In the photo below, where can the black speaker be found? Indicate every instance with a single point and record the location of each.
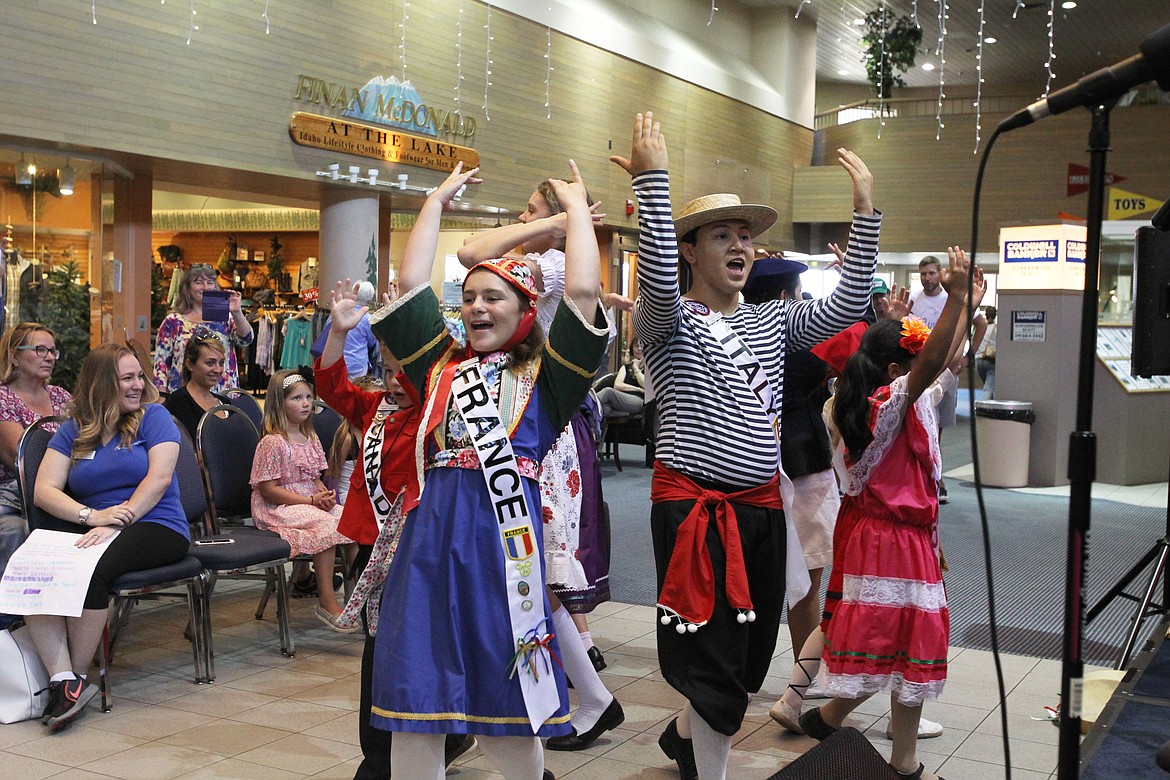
(1151, 303)
(846, 755)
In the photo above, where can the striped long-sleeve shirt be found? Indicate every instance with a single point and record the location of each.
(712, 426)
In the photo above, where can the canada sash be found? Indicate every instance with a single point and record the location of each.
(524, 578)
(372, 460)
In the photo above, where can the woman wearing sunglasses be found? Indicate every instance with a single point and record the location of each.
(27, 357)
(181, 324)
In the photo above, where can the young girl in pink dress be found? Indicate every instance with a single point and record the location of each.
(887, 625)
(288, 496)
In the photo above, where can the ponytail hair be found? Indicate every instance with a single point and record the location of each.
(866, 370)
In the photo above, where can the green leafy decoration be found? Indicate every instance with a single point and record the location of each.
(65, 309)
(900, 48)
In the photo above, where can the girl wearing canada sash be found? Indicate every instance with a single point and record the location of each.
(887, 624)
(465, 640)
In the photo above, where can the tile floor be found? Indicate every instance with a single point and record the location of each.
(267, 716)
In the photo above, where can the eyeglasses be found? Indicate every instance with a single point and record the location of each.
(42, 350)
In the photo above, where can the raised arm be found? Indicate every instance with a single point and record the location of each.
(939, 348)
(419, 257)
(582, 258)
(346, 316)
(498, 242)
(657, 313)
(811, 322)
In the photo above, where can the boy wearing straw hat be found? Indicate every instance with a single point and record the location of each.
(717, 364)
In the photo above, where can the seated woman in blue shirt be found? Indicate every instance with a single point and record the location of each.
(109, 470)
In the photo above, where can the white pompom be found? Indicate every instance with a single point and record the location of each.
(682, 629)
(692, 627)
(664, 620)
(751, 616)
(741, 618)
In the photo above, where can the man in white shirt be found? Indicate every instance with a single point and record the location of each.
(927, 305)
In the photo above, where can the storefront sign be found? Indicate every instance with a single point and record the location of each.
(1042, 257)
(1029, 326)
(1078, 179)
(384, 101)
(337, 135)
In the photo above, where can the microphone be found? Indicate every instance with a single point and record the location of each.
(1105, 84)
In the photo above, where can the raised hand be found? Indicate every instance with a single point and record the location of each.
(572, 195)
(450, 187)
(862, 180)
(648, 150)
(900, 303)
(979, 286)
(840, 261)
(345, 311)
(955, 278)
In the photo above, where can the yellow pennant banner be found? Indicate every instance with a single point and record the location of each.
(1122, 204)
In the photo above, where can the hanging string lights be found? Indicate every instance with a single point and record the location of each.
(487, 66)
(979, 79)
(267, 21)
(459, 62)
(402, 40)
(193, 28)
(882, 77)
(799, 8)
(548, 71)
(941, 52)
(1051, 50)
(714, 8)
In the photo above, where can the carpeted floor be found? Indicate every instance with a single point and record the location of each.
(1028, 536)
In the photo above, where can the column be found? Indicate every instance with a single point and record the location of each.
(348, 238)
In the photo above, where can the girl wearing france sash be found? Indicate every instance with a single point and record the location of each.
(465, 643)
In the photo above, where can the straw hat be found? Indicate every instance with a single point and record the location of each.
(724, 206)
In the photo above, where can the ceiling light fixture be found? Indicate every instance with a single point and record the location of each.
(991, 39)
(928, 66)
(843, 72)
(1068, 5)
(65, 177)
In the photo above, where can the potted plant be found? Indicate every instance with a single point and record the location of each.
(65, 309)
(275, 261)
(891, 42)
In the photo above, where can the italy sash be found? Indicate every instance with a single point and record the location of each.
(524, 580)
(751, 371)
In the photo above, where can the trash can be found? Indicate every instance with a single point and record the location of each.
(1003, 428)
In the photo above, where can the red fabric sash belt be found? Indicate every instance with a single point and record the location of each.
(689, 588)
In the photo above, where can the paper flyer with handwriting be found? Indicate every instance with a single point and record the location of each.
(49, 575)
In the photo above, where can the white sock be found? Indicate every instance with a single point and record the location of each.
(63, 676)
(517, 758)
(417, 756)
(586, 639)
(712, 750)
(592, 695)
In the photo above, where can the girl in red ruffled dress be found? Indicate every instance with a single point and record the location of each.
(887, 625)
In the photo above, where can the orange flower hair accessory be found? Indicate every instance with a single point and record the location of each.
(914, 335)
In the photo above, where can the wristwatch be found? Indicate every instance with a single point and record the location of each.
(83, 515)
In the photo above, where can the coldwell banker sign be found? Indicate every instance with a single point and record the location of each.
(386, 119)
(1042, 257)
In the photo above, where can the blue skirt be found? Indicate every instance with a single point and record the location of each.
(444, 646)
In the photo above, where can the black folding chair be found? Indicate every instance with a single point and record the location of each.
(246, 553)
(130, 587)
(227, 446)
(248, 403)
(326, 422)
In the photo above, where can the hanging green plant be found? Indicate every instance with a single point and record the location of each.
(275, 258)
(891, 43)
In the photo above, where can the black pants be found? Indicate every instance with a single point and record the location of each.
(139, 546)
(375, 742)
(716, 667)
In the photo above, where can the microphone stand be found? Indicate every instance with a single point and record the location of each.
(1082, 460)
